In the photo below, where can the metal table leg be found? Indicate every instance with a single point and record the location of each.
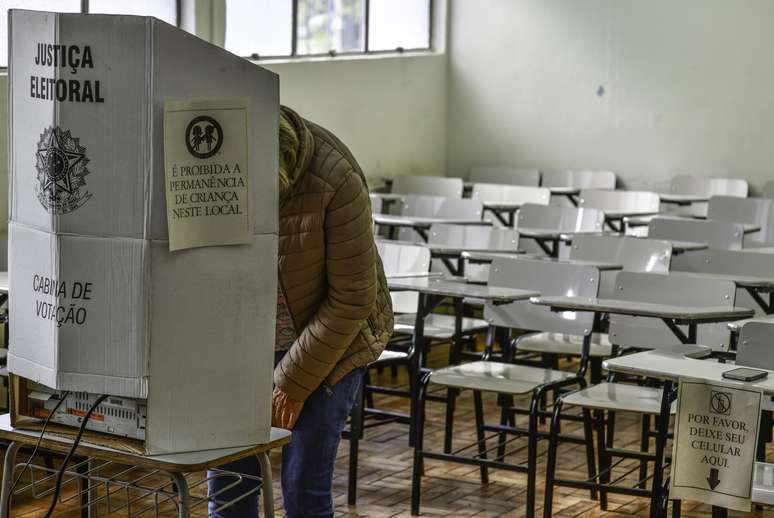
(93, 493)
(5, 490)
(184, 506)
(267, 489)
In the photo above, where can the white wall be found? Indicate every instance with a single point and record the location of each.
(390, 111)
(687, 86)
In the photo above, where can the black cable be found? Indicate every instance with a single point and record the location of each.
(35, 449)
(60, 475)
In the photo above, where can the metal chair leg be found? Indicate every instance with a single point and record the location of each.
(603, 459)
(550, 361)
(676, 505)
(610, 429)
(415, 373)
(419, 425)
(644, 447)
(506, 419)
(553, 444)
(480, 434)
(368, 395)
(532, 441)
(355, 433)
(448, 436)
(588, 433)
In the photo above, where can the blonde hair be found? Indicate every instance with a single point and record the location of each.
(288, 153)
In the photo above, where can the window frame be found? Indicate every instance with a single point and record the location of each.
(332, 53)
(178, 10)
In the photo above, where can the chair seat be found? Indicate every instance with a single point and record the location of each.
(388, 356)
(440, 327)
(618, 396)
(558, 343)
(503, 378)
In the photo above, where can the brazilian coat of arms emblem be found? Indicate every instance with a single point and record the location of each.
(61, 165)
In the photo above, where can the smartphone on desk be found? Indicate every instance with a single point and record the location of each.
(745, 374)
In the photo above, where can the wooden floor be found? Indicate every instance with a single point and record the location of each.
(449, 490)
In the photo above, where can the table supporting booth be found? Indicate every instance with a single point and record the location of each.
(134, 484)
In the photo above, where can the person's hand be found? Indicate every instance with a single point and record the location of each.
(284, 410)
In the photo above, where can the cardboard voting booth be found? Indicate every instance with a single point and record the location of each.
(143, 231)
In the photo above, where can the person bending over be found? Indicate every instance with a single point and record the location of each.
(334, 316)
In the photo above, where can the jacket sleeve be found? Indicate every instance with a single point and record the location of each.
(350, 265)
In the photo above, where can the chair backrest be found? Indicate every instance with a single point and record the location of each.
(403, 258)
(730, 262)
(473, 237)
(562, 219)
(428, 185)
(670, 289)
(579, 179)
(717, 234)
(754, 211)
(703, 186)
(492, 192)
(377, 204)
(768, 189)
(630, 202)
(505, 175)
(440, 207)
(549, 278)
(633, 253)
(436, 207)
(754, 348)
(708, 186)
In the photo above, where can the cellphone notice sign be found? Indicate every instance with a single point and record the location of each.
(205, 154)
(716, 436)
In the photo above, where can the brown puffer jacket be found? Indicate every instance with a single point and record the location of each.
(330, 271)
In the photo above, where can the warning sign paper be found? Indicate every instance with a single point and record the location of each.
(205, 157)
(716, 434)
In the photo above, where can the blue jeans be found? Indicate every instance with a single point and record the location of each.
(307, 462)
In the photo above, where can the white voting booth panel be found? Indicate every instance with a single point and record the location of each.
(101, 304)
(139, 63)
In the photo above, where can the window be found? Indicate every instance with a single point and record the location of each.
(166, 10)
(286, 28)
(163, 10)
(329, 26)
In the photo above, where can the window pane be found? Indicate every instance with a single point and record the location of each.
(399, 23)
(162, 9)
(325, 25)
(263, 27)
